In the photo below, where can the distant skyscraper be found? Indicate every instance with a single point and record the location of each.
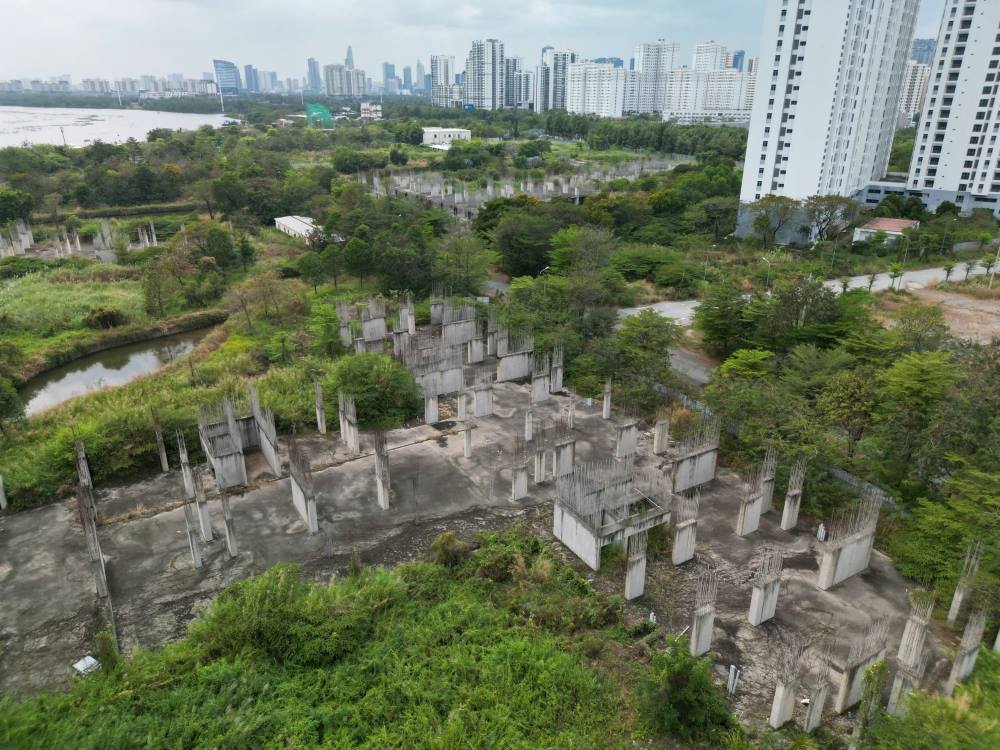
(349, 60)
(227, 77)
(388, 71)
(922, 51)
(738, 57)
(313, 78)
(408, 78)
(824, 117)
(418, 81)
(914, 87)
(616, 61)
(250, 80)
(442, 71)
(484, 75)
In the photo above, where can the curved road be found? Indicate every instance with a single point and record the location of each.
(683, 310)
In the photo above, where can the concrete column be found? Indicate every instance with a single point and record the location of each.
(684, 541)
(192, 536)
(539, 467)
(527, 425)
(411, 323)
(519, 483)
(3, 495)
(911, 646)
(463, 406)
(204, 519)
(476, 352)
(556, 379)
(571, 416)
(564, 456)
(790, 513)
(188, 477)
(849, 691)
(763, 602)
(539, 388)
(783, 704)
(162, 448)
(230, 527)
(431, 414)
(661, 437)
(320, 411)
(701, 630)
(606, 410)
(467, 442)
(626, 441)
(635, 574)
(902, 686)
(996, 643)
(749, 518)
(956, 603)
(382, 479)
(817, 703)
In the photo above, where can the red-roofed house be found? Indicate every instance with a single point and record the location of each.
(894, 228)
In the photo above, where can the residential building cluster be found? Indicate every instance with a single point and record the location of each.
(719, 84)
(829, 103)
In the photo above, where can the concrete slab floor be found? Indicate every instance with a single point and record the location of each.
(51, 611)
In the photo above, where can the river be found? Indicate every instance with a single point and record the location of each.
(84, 126)
(108, 368)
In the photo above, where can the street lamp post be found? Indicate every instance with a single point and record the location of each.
(767, 283)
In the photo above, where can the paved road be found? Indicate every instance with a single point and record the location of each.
(683, 310)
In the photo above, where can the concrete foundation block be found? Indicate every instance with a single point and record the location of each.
(519, 483)
(790, 513)
(814, 711)
(661, 437)
(431, 414)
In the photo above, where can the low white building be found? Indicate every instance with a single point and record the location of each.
(444, 136)
(893, 229)
(296, 226)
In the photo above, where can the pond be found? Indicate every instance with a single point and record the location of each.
(105, 369)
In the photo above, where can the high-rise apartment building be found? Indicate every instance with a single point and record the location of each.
(914, 87)
(314, 80)
(652, 63)
(559, 78)
(512, 68)
(340, 80)
(523, 86)
(827, 95)
(922, 51)
(349, 58)
(442, 71)
(957, 150)
(227, 77)
(484, 75)
(710, 56)
(408, 78)
(388, 71)
(739, 56)
(595, 89)
(543, 77)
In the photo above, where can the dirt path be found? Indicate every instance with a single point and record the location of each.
(967, 317)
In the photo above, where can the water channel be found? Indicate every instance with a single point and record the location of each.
(105, 369)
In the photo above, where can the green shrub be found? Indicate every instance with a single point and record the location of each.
(677, 697)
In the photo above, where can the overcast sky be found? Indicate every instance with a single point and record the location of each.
(115, 38)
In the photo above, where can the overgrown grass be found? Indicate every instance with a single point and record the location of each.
(481, 654)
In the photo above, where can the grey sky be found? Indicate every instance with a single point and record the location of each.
(114, 38)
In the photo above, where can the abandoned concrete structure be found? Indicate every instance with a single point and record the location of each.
(848, 549)
(703, 619)
(793, 495)
(911, 658)
(863, 654)
(969, 570)
(968, 650)
(766, 586)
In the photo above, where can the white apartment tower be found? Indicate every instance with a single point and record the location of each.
(710, 56)
(956, 148)
(484, 75)
(595, 89)
(442, 78)
(559, 78)
(914, 87)
(827, 95)
(652, 63)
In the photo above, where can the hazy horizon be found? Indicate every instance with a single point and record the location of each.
(106, 39)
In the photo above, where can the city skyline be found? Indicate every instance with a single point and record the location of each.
(272, 38)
